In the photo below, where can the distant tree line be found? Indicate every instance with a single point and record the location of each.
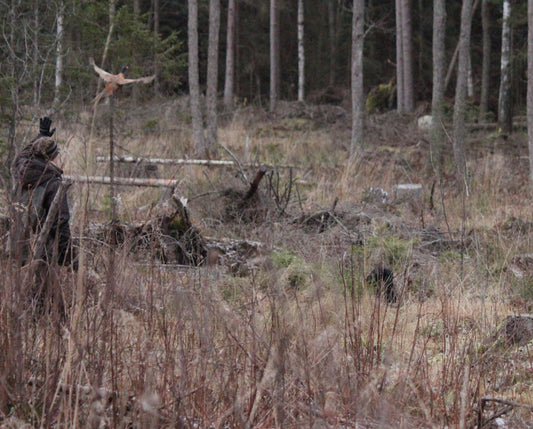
(150, 39)
(278, 49)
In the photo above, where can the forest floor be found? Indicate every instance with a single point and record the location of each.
(278, 327)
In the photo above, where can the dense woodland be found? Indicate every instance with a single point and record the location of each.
(152, 37)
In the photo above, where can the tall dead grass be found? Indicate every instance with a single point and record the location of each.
(301, 342)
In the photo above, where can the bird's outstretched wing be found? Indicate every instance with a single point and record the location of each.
(107, 77)
(124, 81)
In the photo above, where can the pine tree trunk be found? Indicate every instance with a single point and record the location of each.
(274, 54)
(504, 99)
(301, 52)
(212, 74)
(485, 67)
(437, 101)
(358, 101)
(459, 109)
(194, 80)
(230, 57)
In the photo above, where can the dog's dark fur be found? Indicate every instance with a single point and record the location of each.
(383, 280)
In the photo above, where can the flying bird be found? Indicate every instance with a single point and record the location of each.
(113, 82)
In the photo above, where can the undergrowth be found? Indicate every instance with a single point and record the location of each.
(299, 341)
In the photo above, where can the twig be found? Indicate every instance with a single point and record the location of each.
(509, 406)
(255, 183)
(237, 162)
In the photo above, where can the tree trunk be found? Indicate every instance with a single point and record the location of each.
(400, 91)
(230, 57)
(404, 61)
(453, 61)
(358, 101)
(135, 92)
(437, 102)
(194, 79)
(459, 108)
(485, 68)
(407, 59)
(156, 34)
(212, 74)
(36, 85)
(530, 87)
(274, 54)
(504, 99)
(469, 79)
(332, 28)
(301, 52)
(59, 52)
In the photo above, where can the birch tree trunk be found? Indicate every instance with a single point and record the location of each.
(230, 57)
(59, 52)
(470, 78)
(437, 100)
(504, 98)
(485, 67)
(194, 79)
(274, 54)
(459, 108)
(212, 74)
(301, 52)
(530, 87)
(358, 101)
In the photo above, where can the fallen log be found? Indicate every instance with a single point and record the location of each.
(181, 161)
(124, 181)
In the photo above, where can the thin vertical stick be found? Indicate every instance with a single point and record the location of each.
(112, 161)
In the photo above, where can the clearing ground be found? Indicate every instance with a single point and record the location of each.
(277, 326)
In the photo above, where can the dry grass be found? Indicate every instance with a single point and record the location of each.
(301, 341)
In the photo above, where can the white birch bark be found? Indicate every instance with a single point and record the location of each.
(301, 52)
(504, 98)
